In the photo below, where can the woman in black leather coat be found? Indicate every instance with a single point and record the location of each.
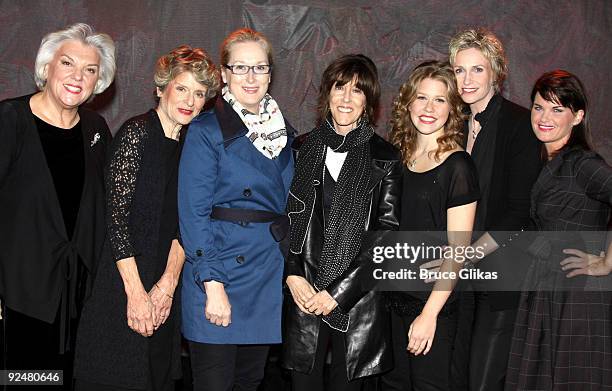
(347, 181)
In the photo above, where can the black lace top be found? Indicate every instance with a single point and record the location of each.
(122, 173)
(142, 220)
(141, 159)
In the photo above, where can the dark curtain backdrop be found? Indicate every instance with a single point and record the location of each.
(307, 35)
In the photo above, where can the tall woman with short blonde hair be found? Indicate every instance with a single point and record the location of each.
(498, 137)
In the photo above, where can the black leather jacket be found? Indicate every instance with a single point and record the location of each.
(368, 342)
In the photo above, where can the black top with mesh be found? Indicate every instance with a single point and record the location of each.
(426, 197)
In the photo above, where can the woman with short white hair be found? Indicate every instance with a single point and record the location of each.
(51, 196)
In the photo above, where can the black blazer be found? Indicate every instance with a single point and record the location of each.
(37, 258)
(514, 164)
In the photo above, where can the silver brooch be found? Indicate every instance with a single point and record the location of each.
(96, 138)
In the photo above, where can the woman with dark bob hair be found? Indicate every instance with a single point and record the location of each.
(52, 196)
(562, 338)
(347, 181)
(142, 259)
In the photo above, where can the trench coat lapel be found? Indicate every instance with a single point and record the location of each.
(234, 142)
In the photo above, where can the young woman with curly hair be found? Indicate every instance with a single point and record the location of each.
(440, 190)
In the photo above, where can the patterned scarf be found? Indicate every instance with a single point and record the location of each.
(267, 129)
(342, 237)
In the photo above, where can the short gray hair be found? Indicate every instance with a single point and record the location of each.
(85, 34)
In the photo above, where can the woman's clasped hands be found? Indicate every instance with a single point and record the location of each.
(308, 299)
(146, 312)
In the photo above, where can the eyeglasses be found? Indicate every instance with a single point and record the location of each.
(240, 69)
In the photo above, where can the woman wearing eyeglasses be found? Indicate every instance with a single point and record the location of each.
(234, 179)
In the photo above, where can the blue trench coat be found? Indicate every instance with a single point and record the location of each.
(221, 167)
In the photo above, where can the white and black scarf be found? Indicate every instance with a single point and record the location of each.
(342, 237)
(266, 129)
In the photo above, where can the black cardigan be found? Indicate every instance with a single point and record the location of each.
(37, 258)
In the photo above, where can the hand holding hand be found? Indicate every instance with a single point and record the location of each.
(140, 312)
(321, 303)
(301, 291)
(161, 296)
(421, 334)
(587, 264)
(218, 309)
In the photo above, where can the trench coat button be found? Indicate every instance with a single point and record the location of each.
(199, 253)
(240, 259)
(246, 192)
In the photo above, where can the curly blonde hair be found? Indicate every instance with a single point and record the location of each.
(404, 133)
(185, 58)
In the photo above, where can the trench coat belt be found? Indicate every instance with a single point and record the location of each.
(280, 222)
(279, 227)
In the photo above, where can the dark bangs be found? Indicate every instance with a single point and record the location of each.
(342, 71)
(564, 88)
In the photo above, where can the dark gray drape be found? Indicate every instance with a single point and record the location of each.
(307, 35)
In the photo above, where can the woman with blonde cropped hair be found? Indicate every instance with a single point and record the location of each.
(498, 137)
(129, 333)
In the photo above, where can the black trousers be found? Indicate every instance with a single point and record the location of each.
(491, 341)
(423, 372)
(329, 340)
(460, 365)
(227, 367)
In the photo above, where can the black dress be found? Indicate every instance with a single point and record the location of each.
(426, 197)
(563, 339)
(142, 178)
